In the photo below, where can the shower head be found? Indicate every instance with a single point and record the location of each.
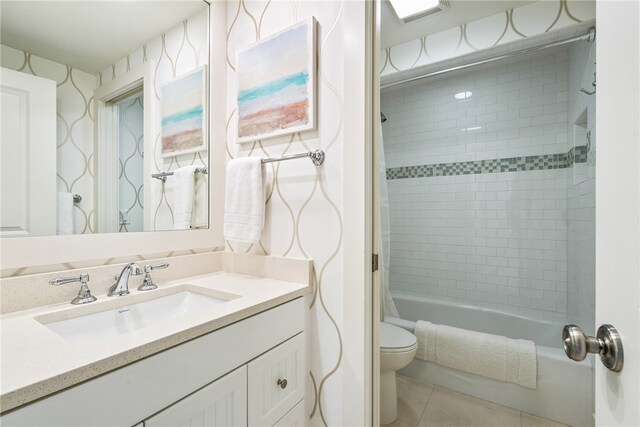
(383, 118)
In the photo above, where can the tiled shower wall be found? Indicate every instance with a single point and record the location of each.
(497, 238)
(515, 110)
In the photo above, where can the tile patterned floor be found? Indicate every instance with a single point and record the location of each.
(424, 405)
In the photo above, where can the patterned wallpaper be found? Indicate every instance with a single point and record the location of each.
(131, 156)
(304, 202)
(174, 53)
(516, 24)
(74, 138)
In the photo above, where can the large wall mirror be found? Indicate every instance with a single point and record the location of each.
(105, 127)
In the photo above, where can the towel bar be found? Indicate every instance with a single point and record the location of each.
(162, 176)
(316, 156)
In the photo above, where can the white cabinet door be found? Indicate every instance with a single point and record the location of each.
(276, 382)
(294, 418)
(28, 155)
(618, 206)
(222, 403)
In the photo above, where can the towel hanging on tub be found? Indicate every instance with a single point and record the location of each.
(244, 200)
(492, 356)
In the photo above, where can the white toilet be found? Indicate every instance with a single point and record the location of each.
(397, 349)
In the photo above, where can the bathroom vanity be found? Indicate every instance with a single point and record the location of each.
(217, 349)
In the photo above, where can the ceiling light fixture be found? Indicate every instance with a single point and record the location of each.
(409, 10)
(463, 95)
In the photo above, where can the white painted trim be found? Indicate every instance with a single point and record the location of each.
(106, 137)
(217, 117)
(150, 129)
(376, 238)
(105, 129)
(357, 164)
(22, 252)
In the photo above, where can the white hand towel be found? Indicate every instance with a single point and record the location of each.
(183, 195)
(200, 214)
(65, 213)
(244, 200)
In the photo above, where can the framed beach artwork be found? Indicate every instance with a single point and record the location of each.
(276, 84)
(183, 114)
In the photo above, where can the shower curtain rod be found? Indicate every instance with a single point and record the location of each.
(590, 36)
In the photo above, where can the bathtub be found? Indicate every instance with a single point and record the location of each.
(565, 390)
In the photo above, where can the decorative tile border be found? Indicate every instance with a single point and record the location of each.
(511, 164)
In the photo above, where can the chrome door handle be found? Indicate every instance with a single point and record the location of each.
(607, 343)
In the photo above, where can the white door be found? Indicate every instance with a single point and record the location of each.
(28, 155)
(618, 206)
(222, 403)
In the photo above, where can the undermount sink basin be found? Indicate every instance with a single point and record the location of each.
(133, 317)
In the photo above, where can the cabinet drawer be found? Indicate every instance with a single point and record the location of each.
(220, 404)
(276, 382)
(294, 418)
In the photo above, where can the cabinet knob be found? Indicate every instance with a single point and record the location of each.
(282, 383)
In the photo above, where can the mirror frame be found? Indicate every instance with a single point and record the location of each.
(20, 252)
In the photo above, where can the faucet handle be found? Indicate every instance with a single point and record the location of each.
(84, 294)
(147, 283)
(148, 268)
(83, 278)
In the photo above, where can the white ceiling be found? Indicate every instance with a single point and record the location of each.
(393, 31)
(88, 35)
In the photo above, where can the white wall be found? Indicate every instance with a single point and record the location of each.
(74, 137)
(305, 213)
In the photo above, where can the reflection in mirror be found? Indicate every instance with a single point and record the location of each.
(130, 163)
(89, 116)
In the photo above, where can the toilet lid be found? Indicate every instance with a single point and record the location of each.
(394, 337)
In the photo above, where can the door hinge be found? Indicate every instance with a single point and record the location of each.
(374, 262)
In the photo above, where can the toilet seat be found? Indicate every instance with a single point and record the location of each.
(394, 339)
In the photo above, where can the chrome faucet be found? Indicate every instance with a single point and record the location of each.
(121, 287)
(84, 295)
(147, 283)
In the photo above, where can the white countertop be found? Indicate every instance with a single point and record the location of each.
(37, 362)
